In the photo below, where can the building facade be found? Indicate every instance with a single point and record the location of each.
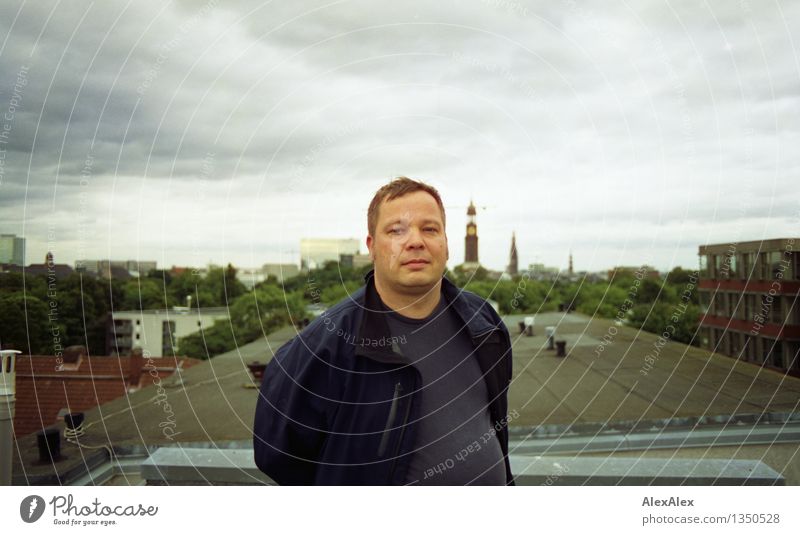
(749, 294)
(315, 252)
(110, 269)
(12, 249)
(157, 331)
(280, 271)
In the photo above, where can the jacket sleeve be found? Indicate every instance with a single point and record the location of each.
(291, 413)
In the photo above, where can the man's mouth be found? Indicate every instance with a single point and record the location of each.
(415, 262)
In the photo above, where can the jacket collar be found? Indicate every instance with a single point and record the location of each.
(374, 334)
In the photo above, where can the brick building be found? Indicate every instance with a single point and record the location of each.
(749, 291)
(48, 387)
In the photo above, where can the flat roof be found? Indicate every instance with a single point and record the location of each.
(773, 244)
(216, 403)
(172, 312)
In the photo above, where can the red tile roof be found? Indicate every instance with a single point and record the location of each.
(45, 386)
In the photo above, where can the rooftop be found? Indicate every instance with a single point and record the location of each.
(589, 394)
(47, 385)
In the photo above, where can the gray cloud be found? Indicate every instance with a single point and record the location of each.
(242, 127)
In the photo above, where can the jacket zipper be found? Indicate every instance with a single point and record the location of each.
(400, 440)
(392, 414)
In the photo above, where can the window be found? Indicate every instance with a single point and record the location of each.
(748, 348)
(705, 336)
(704, 299)
(764, 266)
(719, 306)
(719, 266)
(731, 298)
(715, 339)
(730, 259)
(747, 265)
(748, 307)
(765, 308)
(796, 265)
(704, 266)
(794, 356)
(733, 341)
(777, 353)
(794, 312)
(776, 312)
(774, 264)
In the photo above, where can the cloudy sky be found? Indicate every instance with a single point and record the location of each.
(189, 132)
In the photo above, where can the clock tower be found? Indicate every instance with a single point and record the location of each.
(471, 239)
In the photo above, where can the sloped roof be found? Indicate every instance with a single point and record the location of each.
(46, 384)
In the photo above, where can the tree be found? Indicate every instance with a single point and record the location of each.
(24, 325)
(143, 294)
(233, 286)
(252, 315)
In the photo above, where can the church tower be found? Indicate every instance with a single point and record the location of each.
(471, 239)
(513, 265)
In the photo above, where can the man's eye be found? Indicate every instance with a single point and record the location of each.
(395, 230)
(431, 229)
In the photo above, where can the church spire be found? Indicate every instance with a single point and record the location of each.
(471, 239)
(513, 265)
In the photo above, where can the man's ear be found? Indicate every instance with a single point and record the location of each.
(369, 247)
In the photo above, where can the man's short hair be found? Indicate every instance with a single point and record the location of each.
(398, 187)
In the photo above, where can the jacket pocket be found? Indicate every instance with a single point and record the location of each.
(398, 388)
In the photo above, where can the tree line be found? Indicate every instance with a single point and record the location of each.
(37, 313)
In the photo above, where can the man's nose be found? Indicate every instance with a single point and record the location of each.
(415, 240)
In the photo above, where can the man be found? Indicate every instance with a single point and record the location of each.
(403, 382)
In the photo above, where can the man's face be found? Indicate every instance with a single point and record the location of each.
(409, 247)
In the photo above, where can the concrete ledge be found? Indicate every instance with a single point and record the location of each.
(564, 471)
(202, 466)
(734, 435)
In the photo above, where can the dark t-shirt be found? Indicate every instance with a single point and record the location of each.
(456, 443)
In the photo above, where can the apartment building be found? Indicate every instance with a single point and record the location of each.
(749, 293)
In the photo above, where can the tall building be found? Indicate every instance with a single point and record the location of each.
(749, 292)
(12, 249)
(315, 252)
(471, 239)
(513, 263)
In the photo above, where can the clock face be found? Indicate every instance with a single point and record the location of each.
(471, 231)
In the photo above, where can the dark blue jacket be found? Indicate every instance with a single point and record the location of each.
(339, 406)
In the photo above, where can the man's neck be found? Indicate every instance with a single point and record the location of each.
(416, 306)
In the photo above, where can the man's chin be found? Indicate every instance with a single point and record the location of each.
(418, 279)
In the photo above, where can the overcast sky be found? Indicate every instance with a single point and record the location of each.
(190, 132)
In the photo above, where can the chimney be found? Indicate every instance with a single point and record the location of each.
(136, 365)
(8, 388)
(74, 355)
